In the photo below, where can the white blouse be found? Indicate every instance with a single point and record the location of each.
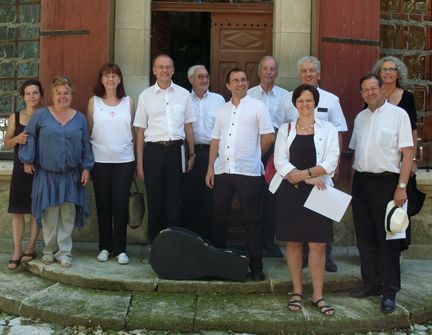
(326, 146)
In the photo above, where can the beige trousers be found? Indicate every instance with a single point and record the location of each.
(58, 223)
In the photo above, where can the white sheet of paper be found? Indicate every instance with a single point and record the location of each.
(330, 202)
(400, 235)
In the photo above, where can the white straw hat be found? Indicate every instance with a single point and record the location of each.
(396, 219)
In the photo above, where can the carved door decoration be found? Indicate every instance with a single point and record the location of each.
(406, 32)
(238, 40)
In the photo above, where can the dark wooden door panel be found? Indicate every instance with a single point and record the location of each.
(74, 42)
(348, 46)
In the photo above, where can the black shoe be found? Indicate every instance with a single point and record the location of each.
(365, 291)
(330, 266)
(257, 275)
(388, 305)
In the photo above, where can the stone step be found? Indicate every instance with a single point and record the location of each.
(205, 305)
(261, 313)
(139, 276)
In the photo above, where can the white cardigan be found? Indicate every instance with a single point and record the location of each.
(326, 146)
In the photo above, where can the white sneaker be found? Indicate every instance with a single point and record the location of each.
(103, 256)
(123, 259)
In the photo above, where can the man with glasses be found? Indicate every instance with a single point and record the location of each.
(242, 133)
(197, 198)
(328, 109)
(381, 139)
(163, 119)
(272, 96)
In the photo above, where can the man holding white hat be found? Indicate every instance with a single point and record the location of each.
(381, 141)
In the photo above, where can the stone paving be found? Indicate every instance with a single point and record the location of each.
(107, 298)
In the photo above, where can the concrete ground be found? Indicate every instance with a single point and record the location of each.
(133, 297)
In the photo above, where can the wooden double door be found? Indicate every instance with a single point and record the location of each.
(220, 36)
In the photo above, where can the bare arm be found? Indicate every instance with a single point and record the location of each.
(266, 142)
(11, 140)
(191, 145)
(214, 148)
(414, 164)
(400, 195)
(89, 115)
(140, 152)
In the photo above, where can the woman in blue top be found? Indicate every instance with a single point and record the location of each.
(59, 154)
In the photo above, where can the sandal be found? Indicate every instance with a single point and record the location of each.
(325, 309)
(48, 259)
(13, 264)
(295, 304)
(28, 257)
(65, 262)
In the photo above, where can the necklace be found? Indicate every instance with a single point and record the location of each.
(305, 128)
(388, 96)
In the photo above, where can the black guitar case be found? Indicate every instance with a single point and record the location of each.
(180, 254)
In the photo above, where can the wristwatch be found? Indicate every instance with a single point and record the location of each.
(402, 185)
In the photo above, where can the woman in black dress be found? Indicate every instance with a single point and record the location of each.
(306, 155)
(21, 183)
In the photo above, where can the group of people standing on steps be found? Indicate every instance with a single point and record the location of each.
(194, 151)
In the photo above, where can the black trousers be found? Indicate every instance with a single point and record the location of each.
(197, 198)
(111, 184)
(379, 257)
(248, 190)
(162, 173)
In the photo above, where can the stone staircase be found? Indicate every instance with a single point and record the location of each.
(133, 297)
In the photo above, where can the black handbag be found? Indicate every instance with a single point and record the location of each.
(416, 197)
(136, 206)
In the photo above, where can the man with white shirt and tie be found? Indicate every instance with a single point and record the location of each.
(197, 198)
(329, 109)
(242, 133)
(272, 96)
(163, 119)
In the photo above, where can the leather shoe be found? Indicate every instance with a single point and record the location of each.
(257, 275)
(365, 291)
(388, 305)
(330, 266)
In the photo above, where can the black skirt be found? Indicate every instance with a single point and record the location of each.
(294, 222)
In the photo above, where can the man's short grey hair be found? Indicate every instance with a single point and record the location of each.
(265, 58)
(192, 69)
(310, 59)
(400, 68)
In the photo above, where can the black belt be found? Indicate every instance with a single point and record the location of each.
(168, 143)
(202, 146)
(376, 175)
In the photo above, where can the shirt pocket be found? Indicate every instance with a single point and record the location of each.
(177, 115)
(387, 137)
(322, 113)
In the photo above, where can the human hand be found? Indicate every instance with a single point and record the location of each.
(316, 181)
(400, 196)
(209, 179)
(85, 177)
(140, 173)
(29, 168)
(295, 176)
(190, 163)
(21, 138)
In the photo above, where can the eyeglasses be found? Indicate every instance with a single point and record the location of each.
(203, 76)
(388, 69)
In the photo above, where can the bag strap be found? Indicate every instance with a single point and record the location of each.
(134, 185)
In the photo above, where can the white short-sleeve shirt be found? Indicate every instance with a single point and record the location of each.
(273, 101)
(239, 130)
(378, 137)
(163, 113)
(329, 109)
(205, 114)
